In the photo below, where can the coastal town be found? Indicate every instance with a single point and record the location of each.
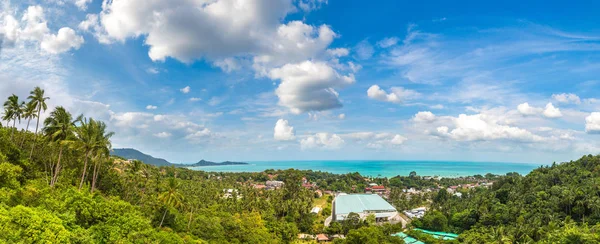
(371, 201)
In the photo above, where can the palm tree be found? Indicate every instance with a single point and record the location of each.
(102, 146)
(36, 97)
(29, 112)
(92, 138)
(171, 198)
(14, 111)
(59, 127)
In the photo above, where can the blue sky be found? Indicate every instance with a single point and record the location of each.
(313, 79)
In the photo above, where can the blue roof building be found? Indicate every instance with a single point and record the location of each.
(364, 205)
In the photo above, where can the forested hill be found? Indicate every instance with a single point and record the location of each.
(553, 204)
(129, 153)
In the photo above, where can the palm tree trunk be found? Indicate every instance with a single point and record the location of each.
(36, 130)
(25, 134)
(84, 170)
(163, 218)
(95, 175)
(12, 132)
(57, 170)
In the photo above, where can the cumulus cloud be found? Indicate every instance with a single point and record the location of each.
(424, 116)
(376, 140)
(151, 107)
(185, 90)
(566, 98)
(592, 123)
(195, 99)
(254, 29)
(309, 86)
(338, 52)
(525, 109)
(35, 29)
(551, 111)
(481, 127)
(284, 131)
(342, 116)
(65, 40)
(397, 94)
(322, 141)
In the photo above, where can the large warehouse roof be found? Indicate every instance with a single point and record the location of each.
(358, 203)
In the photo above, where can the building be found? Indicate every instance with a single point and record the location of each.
(416, 213)
(274, 184)
(364, 205)
(316, 210)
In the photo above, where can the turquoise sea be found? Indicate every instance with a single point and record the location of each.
(383, 168)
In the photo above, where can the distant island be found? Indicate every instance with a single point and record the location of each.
(209, 163)
(130, 153)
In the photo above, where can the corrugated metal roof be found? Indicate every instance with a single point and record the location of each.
(358, 203)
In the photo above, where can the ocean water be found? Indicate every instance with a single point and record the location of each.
(383, 168)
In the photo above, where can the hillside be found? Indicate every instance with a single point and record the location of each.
(552, 204)
(129, 153)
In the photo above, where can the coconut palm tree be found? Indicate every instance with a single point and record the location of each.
(86, 141)
(102, 147)
(29, 112)
(59, 128)
(36, 97)
(171, 197)
(14, 111)
(92, 138)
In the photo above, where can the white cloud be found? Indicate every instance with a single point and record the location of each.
(151, 107)
(82, 4)
(65, 40)
(283, 131)
(424, 116)
(309, 86)
(254, 30)
(36, 30)
(338, 52)
(185, 90)
(152, 71)
(310, 5)
(482, 127)
(322, 141)
(525, 109)
(375, 140)
(592, 123)
(397, 94)
(388, 42)
(364, 50)
(551, 111)
(342, 116)
(163, 134)
(195, 99)
(199, 136)
(566, 98)
(398, 139)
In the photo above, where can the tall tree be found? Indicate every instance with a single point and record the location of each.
(59, 128)
(36, 97)
(102, 147)
(171, 197)
(86, 142)
(29, 112)
(14, 111)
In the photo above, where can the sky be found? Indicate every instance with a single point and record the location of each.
(317, 79)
